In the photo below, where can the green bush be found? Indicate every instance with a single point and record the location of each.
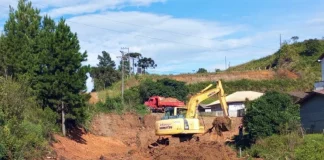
(312, 148)
(25, 128)
(270, 114)
(163, 87)
(276, 147)
(289, 146)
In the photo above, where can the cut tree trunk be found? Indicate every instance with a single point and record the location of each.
(63, 120)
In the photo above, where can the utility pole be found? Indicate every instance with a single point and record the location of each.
(128, 57)
(280, 40)
(122, 87)
(279, 51)
(225, 63)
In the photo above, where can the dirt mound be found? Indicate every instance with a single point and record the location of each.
(222, 123)
(225, 135)
(287, 74)
(131, 129)
(194, 150)
(94, 98)
(233, 75)
(169, 99)
(92, 147)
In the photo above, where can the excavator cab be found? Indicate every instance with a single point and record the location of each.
(174, 113)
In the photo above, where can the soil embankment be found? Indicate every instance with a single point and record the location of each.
(127, 137)
(234, 75)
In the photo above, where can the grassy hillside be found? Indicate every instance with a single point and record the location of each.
(298, 57)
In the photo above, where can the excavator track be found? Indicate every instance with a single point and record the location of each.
(172, 140)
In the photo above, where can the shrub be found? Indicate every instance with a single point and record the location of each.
(276, 147)
(24, 126)
(312, 148)
(268, 114)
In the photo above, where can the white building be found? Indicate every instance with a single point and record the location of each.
(235, 102)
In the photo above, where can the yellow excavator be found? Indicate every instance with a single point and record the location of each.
(183, 122)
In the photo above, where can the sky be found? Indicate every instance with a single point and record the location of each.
(184, 35)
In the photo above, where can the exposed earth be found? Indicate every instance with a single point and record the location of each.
(127, 136)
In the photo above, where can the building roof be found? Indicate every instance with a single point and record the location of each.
(311, 94)
(239, 96)
(298, 94)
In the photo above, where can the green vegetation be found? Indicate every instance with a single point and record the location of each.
(25, 127)
(299, 57)
(202, 70)
(290, 146)
(46, 56)
(163, 87)
(104, 74)
(146, 63)
(274, 132)
(271, 114)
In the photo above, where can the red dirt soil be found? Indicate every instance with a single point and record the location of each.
(128, 136)
(195, 150)
(234, 75)
(94, 98)
(170, 100)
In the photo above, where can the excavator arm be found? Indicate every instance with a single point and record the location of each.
(196, 99)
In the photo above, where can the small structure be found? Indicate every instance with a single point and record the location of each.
(235, 102)
(320, 85)
(312, 106)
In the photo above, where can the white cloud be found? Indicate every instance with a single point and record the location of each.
(89, 6)
(153, 41)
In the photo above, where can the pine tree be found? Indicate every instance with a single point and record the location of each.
(21, 31)
(46, 55)
(105, 60)
(104, 74)
(69, 76)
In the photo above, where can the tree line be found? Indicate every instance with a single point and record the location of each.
(106, 73)
(46, 55)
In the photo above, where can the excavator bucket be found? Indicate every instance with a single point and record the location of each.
(221, 124)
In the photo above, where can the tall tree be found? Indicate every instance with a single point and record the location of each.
(294, 38)
(3, 58)
(105, 60)
(104, 74)
(70, 75)
(46, 55)
(21, 31)
(134, 56)
(145, 63)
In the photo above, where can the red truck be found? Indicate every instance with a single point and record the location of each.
(158, 104)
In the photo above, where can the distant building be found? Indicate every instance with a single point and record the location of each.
(235, 102)
(312, 105)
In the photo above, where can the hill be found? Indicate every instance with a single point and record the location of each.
(299, 57)
(292, 68)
